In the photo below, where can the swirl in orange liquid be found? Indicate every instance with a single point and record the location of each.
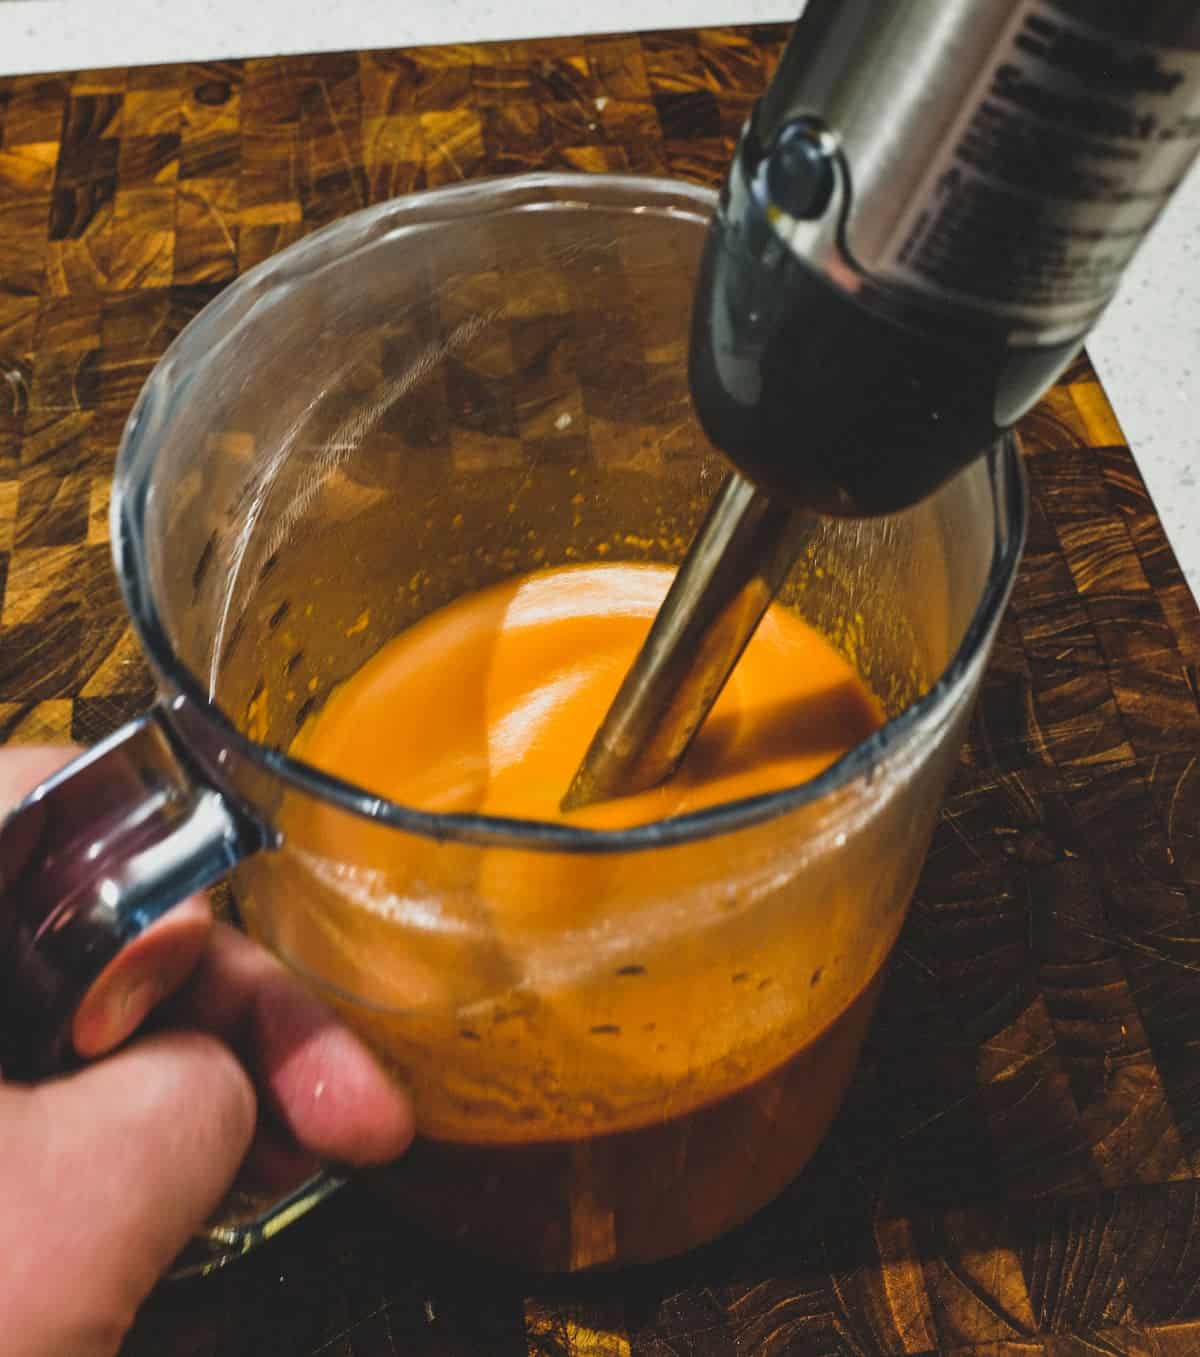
(489, 704)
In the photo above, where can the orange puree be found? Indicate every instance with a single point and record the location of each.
(613, 1056)
(489, 704)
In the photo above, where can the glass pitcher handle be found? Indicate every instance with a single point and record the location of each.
(88, 862)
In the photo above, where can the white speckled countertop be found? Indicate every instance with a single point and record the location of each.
(1147, 348)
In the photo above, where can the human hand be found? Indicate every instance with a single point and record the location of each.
(105, 1174)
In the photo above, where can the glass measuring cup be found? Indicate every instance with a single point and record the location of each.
(421, 400)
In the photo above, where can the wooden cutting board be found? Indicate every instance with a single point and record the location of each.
(1015, 1171)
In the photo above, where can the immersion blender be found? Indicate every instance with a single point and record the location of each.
(927, 212)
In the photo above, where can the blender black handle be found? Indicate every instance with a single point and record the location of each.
(88, 861)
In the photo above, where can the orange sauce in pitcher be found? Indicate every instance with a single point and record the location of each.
(487, 706)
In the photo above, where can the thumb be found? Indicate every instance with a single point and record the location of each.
(104, 1177)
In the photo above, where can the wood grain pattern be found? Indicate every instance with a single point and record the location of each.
(1016, 1172)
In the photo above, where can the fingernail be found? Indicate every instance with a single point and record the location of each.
(133, 1007)
(115, 1007)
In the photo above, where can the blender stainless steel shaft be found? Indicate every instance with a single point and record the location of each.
(927, 211)
(739, 558)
